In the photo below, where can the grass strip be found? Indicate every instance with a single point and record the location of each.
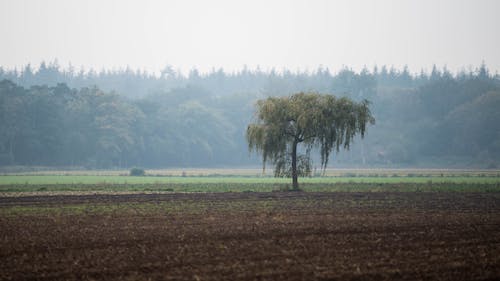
(429, 186)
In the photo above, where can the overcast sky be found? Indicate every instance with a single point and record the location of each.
(230, 34)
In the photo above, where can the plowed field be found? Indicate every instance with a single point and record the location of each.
(252, 236)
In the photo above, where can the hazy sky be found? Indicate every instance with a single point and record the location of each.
(230, 34)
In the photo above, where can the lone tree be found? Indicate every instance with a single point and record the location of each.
(314, 120)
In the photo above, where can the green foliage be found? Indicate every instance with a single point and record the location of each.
(282, 167)
(137, 172)
(323, 121)
(477, 123)
(200, 120)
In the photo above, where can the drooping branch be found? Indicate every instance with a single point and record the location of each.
(315, 120)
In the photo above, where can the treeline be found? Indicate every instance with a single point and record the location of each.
(138, 84)
(56, 117)
(67, 127)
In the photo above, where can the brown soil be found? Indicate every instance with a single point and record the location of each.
(254, 236)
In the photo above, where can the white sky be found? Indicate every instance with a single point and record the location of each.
(230, 33)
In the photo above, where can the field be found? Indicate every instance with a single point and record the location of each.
(30, 180)
(252, 236)
(432, 226)
(232, 180)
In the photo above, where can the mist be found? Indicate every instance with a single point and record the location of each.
(295, 35)
(118, 84)
(120, 119)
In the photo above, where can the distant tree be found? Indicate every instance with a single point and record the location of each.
(51, 115)
(475, 134)
(483, 72)
(405, 76)
(115, 122)
(435, 73)
(313, 119)
(137, 172)
(13, 120)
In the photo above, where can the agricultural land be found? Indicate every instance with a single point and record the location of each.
(348, 226)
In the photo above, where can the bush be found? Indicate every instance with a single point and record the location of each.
(137, 172)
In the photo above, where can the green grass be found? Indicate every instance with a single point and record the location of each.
(78, 184)
(48, 189)
(86, 180)
(11, 185)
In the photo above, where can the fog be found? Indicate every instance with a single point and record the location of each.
(295, 35)
(117, 84)
(436, 119)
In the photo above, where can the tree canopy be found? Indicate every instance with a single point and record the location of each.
(315, 120)
(55, 117)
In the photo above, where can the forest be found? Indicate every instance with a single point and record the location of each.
(60, 117)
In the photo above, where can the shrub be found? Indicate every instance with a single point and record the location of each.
(137, 172)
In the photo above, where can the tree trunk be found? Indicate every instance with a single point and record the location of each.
(363, 153)
(295, 182)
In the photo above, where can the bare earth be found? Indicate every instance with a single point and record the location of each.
(252, 236)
